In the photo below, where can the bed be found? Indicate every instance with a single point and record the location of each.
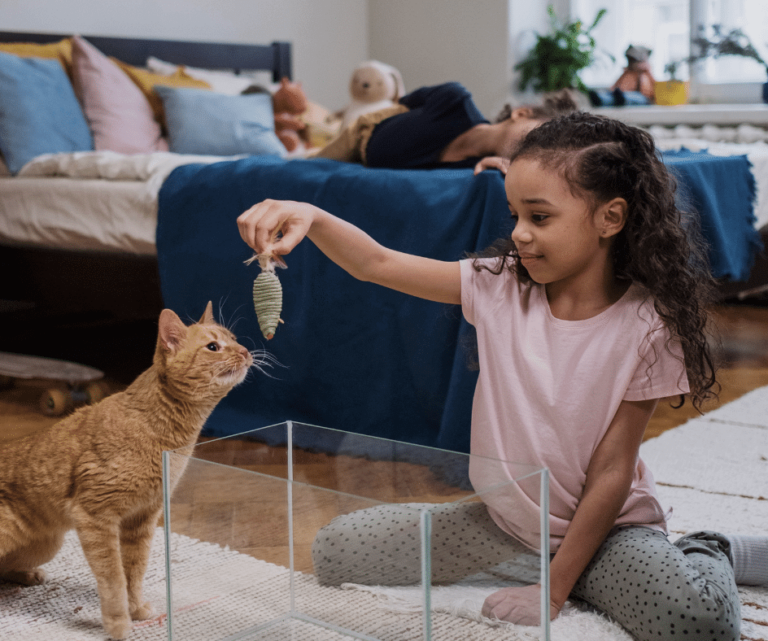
(79, 237)
(350, 355)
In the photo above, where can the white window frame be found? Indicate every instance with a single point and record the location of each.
(701, 90)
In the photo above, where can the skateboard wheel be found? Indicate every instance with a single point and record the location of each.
(54, 402)
(95, 392)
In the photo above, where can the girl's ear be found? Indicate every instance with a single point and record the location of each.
(612, 217)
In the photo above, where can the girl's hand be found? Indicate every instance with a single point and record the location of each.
(492, 162)
(275, 227)
(518, 605)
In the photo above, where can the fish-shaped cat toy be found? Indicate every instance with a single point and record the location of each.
(267, 296)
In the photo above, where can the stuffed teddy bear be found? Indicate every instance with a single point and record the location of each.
(288, 104)
(374, 85)
(637, 74)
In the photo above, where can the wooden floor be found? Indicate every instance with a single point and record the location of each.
(246, 511)
(743, 334)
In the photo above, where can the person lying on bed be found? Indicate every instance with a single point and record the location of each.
(440, 126)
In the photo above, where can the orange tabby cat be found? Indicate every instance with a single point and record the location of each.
(99, 470)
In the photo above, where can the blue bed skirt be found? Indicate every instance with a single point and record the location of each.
(355, 356)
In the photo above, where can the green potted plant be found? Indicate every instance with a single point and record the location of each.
(672, 91)
(732, 43)
(556, 59)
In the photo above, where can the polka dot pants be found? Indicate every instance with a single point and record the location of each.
(655, 589)
(662, 590)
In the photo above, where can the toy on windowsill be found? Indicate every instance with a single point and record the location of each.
(636, 86)
(267, 296)
(637, 74)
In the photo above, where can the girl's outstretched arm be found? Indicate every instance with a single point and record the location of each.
(275, 227)
(609, 479)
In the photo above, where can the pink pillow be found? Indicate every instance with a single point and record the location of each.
(118, 113)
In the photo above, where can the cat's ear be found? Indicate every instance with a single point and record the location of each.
(207, 318)
(171, 331)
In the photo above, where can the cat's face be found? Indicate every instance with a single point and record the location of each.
(203, 361)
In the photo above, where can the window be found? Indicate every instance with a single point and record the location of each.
(665, 27)
(751, 16)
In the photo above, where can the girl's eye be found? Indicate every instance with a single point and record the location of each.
(214, 347)
(539, 218)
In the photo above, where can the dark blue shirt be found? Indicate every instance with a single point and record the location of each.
(436, 116)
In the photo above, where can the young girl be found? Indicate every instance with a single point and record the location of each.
(590, 313)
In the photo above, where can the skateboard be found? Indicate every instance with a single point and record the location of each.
(82, 383)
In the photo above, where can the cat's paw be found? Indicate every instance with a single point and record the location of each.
(142, 612)
(25, 577)
(117, 627)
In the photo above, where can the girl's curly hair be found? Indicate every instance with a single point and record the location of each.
(660, 248)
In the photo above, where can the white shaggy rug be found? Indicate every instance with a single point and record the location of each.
(713, 471)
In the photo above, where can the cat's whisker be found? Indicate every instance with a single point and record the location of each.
(262, 360)
(263, 354)
(263, 357)
(222, 301)
(228, 325)
(252, 341)
(230, 367)
(235, 320)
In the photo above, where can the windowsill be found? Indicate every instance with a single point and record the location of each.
(728, 114)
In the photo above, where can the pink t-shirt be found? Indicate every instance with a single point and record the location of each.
(548, 390)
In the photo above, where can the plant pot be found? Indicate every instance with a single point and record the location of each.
(671, 92)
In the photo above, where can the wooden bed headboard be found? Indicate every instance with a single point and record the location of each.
(274, 57)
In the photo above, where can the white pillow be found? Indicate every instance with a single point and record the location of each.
(225, 82)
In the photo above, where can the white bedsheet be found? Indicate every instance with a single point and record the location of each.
(87, 200)
(108, 202)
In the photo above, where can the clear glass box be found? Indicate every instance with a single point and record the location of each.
(241, 522)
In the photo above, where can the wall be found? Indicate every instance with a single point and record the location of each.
(475, 42)
(329, 36)
(435, 41)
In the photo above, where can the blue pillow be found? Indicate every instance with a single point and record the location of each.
(39, 113)
(205, 122)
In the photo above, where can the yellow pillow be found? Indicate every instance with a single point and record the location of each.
(62, 50)
(146, 80)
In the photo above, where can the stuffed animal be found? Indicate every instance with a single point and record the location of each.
(288, 103)
(374, 85)
(637, 74)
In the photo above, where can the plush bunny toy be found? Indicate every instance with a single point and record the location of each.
(374, 85)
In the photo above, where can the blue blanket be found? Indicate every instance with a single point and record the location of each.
(355, 356)
(721, 189)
